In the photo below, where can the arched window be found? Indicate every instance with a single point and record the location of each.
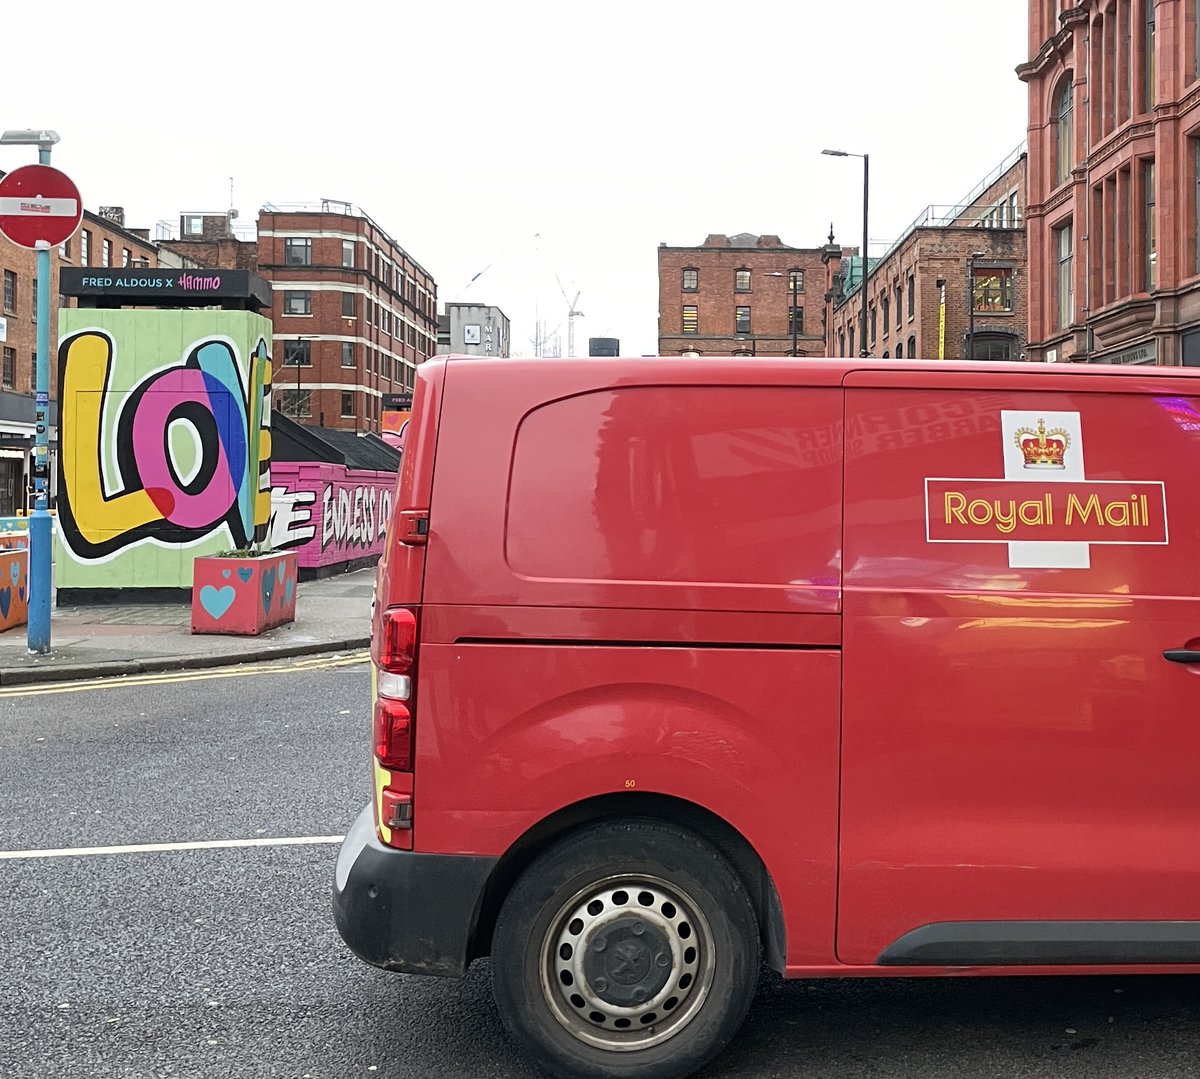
(900, 350)
(1064, 129)
(912, 348)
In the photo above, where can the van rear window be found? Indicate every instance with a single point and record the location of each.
(684, 484)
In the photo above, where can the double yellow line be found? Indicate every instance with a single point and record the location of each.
(254, 670)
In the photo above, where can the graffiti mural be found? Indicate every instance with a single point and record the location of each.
(329, 513)
(14, 583)
(165, 442)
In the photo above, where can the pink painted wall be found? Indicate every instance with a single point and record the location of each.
(329, 513)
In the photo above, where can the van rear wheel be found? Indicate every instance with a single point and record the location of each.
(628, 948)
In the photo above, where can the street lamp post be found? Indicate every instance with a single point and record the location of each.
(971, 303)
(41, 528)
(866, 160)
(791, 275)
(295, 358)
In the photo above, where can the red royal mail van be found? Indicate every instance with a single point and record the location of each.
(855, 667)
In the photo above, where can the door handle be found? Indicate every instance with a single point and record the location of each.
(1182, 655)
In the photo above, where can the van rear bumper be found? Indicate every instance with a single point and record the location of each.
(403, 910)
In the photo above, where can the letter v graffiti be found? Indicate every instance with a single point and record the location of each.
(149, 495)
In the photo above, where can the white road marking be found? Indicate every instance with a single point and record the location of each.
(147, 848)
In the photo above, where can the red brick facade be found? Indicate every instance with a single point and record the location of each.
(352, 305)
(99, 241)
(1114, 142)
(703, 290)
(932, 264)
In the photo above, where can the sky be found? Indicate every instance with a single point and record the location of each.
(524, 152)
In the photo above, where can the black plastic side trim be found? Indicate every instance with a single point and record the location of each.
(993, 944)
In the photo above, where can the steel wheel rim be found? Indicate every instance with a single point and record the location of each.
(594, 961)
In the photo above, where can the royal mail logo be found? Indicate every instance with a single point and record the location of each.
(1044, 507)
(1042, 448)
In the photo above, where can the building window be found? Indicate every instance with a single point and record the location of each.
(691, 280)
(851, 352)
(741, 320)
(295, 403)
(193, 225)
(899, 304)
(348, 304)
(912, 297)
(297, 252)
(412, 336)
(899, 350)
(1064, 106)
(689, 318)
(796, 320)
(795, 281)
(912, 347)
(1150, 95)
(347, 404)
(85, 248)
(297, 353)
(886, 304)
(64, 249)
(106, 253)
(992, 288)
(385, 365)
(348, 254)
(872, 322)
(994, 346)
(1064, 247)
(10, 368)
(126, 256)
(297, 302)
(741, 280)
(348, 354)
(33, 295)
(1150, 248)
(10, 292)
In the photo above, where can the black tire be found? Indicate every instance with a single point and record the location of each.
(628, 948)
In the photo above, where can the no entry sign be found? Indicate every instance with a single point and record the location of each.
(38, 202)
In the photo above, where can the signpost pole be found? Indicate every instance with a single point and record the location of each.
(41, 534)
(41, 531)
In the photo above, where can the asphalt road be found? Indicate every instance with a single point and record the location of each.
(222, 961)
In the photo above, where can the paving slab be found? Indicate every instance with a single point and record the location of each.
(332, 614)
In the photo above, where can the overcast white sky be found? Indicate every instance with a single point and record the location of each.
(526, 139)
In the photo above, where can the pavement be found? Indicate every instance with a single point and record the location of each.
(332, 614)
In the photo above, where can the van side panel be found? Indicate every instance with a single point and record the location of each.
(1019, 758)
(635, 586)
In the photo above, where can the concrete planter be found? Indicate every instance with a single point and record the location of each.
(243, 595)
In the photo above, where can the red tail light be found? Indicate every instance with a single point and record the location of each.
(395, 654)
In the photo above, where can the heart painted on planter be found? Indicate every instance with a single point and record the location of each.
(5, 601)
(21, 593)
(245, 572)
(14, 571)
(268, 589)
(226, 573)
(289, 590)
(216, 601)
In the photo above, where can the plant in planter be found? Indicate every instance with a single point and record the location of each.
(243, 592)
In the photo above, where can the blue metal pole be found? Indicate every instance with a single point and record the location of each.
(41, 531)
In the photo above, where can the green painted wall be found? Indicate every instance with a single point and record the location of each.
(164, 443)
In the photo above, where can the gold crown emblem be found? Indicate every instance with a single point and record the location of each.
(1042, 448)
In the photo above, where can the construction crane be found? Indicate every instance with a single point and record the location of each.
(572, 311)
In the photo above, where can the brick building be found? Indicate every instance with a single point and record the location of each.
(208, 239)
(1114, 129)
(741, 295)
(954, 285)
(354, 313)
(102, 240)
